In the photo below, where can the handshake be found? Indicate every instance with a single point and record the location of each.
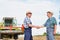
(38, 27)
(30, 25)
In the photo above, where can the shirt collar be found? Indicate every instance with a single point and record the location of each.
(28, 17)
(50, 18)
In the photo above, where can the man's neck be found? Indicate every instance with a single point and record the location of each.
(50, 17)
(27, 17)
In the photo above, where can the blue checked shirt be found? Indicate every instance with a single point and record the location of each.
(26, 22)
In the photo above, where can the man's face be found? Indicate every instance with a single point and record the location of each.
(29, 15)
(49, 15)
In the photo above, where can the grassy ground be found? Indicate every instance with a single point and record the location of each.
(42, 38)
(37, 38)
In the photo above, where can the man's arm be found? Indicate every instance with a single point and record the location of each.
(33, 26)
(55, 26)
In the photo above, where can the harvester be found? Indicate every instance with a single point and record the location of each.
(9, 28)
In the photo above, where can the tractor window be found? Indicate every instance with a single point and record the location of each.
(8, 21)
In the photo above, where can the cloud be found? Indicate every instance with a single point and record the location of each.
(18, 9)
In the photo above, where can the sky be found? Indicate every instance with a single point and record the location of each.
(18, 9)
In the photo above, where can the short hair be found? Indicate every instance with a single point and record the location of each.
(50, 12)
(28, 13)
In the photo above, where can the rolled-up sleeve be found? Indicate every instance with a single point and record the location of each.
(45, 24)
(55, 22)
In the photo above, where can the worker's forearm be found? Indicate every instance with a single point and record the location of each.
(30, 25)
(55, 28)
(42, 26)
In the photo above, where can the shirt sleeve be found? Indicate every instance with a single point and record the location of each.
(55, 22)
(45, 24)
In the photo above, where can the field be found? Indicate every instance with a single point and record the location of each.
(42, 38)
(36, 38)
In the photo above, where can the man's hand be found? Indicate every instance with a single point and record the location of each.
(33, 26)
(39, 27)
